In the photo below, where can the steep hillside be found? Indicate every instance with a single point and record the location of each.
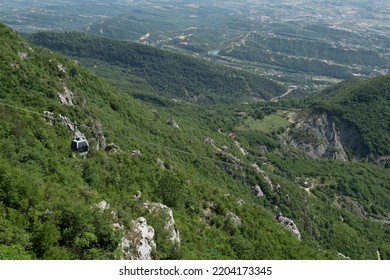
(54, 203)
(365, 104)
(176, 182)
(168, 73)
(358, 112)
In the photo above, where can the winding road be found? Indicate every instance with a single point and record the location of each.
(290, 89)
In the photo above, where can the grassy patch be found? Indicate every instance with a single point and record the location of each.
(268, 124)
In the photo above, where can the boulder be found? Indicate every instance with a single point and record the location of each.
(103, 205)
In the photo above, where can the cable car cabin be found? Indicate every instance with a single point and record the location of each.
(80, 146)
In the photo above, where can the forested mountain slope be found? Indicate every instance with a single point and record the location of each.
(204, 192)
(168, 73)
(365, 103)
(51, 200)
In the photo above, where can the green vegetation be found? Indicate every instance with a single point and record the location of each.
(169, 74)
(268, 124)
(365, 104)
(48, 195)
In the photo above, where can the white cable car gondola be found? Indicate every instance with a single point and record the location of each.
(80, 145)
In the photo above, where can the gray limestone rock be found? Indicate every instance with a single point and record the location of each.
(289, 224)
(327, 137)
(173, 123)
(170, 221)
(138, 243)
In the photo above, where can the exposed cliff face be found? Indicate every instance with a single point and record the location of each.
(322, 136)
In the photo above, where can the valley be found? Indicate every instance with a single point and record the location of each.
(302, 43)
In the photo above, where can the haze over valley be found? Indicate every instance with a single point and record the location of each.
(305, 43)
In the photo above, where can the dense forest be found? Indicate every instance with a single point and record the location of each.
(169, 73)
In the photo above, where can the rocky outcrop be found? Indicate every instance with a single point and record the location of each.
(112, 148)
(66, 97)
(258, 192)
(212, 143)
(135, 153)
(208, 139)
(52, 119)
(240, 202)
(289, 224)
(27, 46)
(321, 135)
(98, 133)
(161, 163)
(103, 205)
(22, 55)
(208, 211)
(138, 243)
(58, 66)
(173, 123)
(68, 123)
(233, 218)
(271, 184)
(170, 221)
(225, 149)
(49, 117)
(342, 256)
(242, 150)
(232, 164)
(352, 205)
(257, 168)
